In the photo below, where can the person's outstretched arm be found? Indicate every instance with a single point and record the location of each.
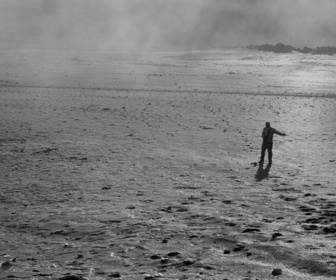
(279, 133)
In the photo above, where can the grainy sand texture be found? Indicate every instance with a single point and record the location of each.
(144, 165)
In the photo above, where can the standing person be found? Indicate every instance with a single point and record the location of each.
(267, 135)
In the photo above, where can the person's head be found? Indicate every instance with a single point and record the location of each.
(268, 124)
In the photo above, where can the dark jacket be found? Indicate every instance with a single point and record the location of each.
(268, 133)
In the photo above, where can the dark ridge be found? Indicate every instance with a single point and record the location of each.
(325, 50)
(282, 48)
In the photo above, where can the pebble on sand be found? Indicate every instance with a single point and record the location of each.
(277, 272)
(115, 275)
(6, 265)
(71, 277)
(275, 235)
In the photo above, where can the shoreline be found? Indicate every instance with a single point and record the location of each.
(161, 90)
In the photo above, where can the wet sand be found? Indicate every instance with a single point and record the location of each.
(143, 166)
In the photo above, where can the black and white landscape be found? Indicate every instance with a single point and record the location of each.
(136, 161)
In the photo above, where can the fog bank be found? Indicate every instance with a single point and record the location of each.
(129, 25)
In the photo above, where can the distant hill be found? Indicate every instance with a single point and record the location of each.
(282, 48)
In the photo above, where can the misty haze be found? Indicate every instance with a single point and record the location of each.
(116, 25)
(135, 140)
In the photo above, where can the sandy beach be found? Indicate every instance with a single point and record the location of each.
(144, 165)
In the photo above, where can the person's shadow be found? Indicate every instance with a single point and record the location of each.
(262, 173)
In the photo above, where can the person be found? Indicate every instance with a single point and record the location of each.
(267, 135)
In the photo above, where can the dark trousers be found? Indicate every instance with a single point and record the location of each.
(266, 146)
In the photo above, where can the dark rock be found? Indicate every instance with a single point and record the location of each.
(164, 260)
(182, 210)
(238, 248)
(72, 277)
(208, 267)
(304, 208)
(205, 127)
(316, 220)
(173, 254)
(230, 224)
(329, 229)
(188, 262)
(251, 230)
(168, 209)
(115, 275)
(275, 235)
(277, 272)
(310, 227)
(155, 257)
(289, 241)
(226, 252)
(6, 265)
(204, 266)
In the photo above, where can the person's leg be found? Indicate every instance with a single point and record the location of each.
(270, 153)
(263, 150)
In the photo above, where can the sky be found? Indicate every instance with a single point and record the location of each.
(164, 25)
